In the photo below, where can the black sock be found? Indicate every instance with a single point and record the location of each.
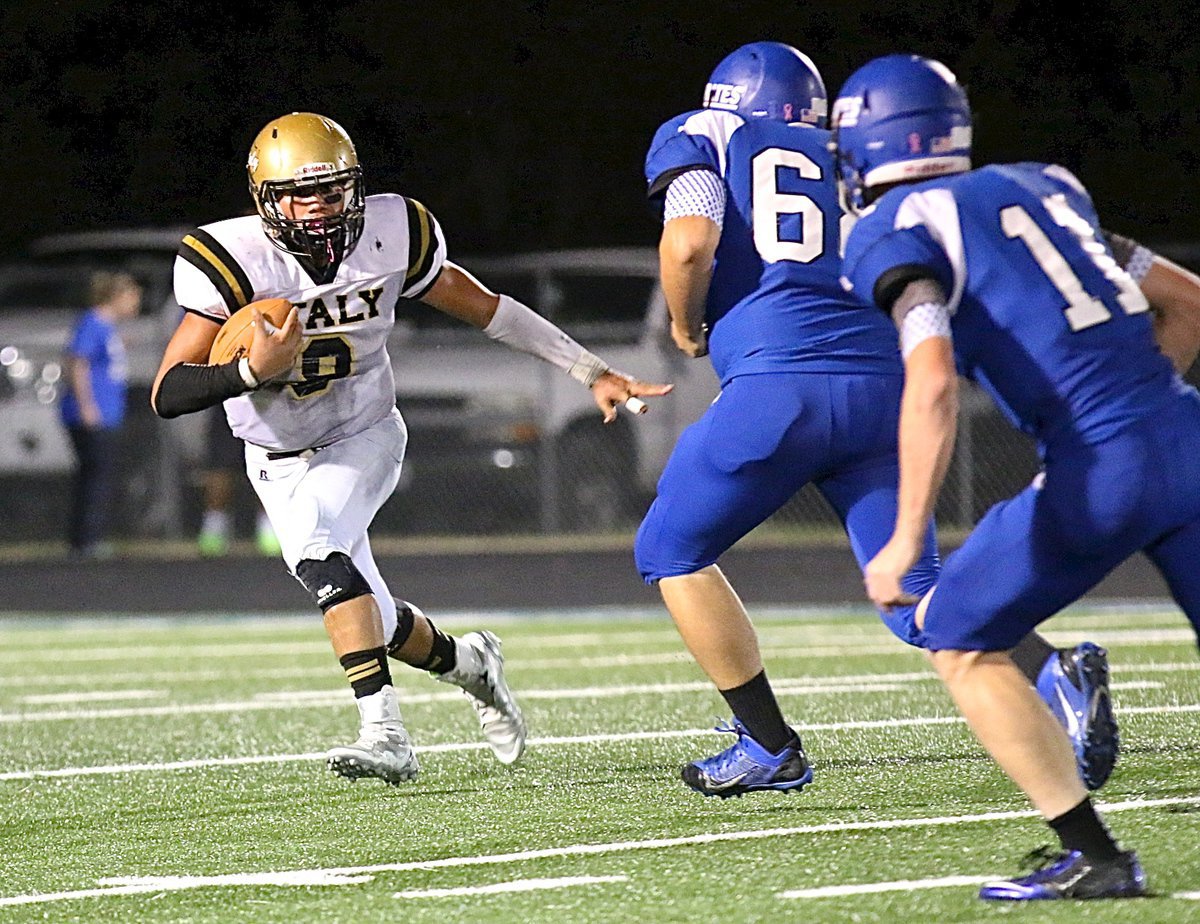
(443, 653)
(1081, 829)
(1030, 655)
(366, 670)
(755, 706)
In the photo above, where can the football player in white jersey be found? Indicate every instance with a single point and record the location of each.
(315, 403)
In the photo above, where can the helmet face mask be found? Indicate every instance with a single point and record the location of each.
(307, 187)
(768, 80)
(898, 119)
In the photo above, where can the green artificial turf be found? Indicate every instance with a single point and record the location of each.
(92, 710)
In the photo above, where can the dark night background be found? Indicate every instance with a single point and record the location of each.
(523, 125)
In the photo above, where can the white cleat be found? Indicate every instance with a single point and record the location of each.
(499, 715)
(381, 751)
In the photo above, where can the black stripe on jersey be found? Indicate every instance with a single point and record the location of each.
(422, 242)
(429, 285)
(205, 315)
(206, 253)
(663, 180)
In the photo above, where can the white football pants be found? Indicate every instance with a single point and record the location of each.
(323, 502)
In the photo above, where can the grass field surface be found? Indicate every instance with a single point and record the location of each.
(171, 770)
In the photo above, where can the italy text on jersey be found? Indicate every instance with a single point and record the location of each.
(343, 382)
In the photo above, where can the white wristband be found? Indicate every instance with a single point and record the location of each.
(247, 374)
(928, 319)
(522, 328)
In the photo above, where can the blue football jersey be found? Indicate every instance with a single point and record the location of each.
(1043, 318)
(775, 302)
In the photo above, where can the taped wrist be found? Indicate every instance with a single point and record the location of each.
(189, 387)
(522, 328)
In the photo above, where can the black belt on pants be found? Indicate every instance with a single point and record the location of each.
(291, 453)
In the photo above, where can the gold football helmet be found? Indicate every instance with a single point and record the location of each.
(304, 155)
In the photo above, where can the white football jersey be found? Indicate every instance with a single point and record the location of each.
(343, 382)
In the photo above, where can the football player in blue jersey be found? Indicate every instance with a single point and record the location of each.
(1003, 273)
(810, 392)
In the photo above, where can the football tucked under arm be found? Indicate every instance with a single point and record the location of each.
(237, 334)
(188, 387)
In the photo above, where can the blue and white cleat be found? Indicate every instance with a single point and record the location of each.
(1072, 875)
(1074, 685)
(746, 766)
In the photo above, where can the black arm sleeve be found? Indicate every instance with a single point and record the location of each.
(889, 286)
(189, 387)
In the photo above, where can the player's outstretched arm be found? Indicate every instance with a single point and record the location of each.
(459, 294)
(685, 260)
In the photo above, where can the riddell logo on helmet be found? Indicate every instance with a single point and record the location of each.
(929, 168)
(723, 96)
(307, 170)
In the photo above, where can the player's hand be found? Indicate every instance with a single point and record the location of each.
(690, 343)
(274, 350)
(884, 572)
(613, 388)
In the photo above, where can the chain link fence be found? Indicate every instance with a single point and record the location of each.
(500, 443)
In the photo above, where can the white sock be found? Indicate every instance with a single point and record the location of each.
(380, 708)
(215, 522)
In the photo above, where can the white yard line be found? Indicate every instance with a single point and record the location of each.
(83, 696)
(875, 641)
(169, 648)
(517, 885)
(326, 697)
(313, 699)
(199, 675)
(548, 741)
(900, 885)
(125, 885)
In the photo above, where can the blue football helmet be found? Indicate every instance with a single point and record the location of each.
(769, 80)
(899, 118)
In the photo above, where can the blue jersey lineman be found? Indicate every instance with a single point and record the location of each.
(1003, 273)
(810, 380)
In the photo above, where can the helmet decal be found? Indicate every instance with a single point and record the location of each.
(899, 118)
(768, 80)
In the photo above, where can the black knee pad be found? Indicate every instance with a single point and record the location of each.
(332, 581)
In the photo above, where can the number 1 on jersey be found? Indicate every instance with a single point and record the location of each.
(1083, 309)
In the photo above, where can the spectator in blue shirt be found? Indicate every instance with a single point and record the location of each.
(93, 406)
